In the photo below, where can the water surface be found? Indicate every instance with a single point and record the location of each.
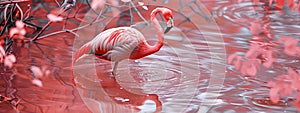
(176, 78)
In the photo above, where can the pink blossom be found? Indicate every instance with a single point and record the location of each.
(290, 45)
(250, 67)
(231, 57)
(257, 51)
(54, 18)
(37, 82)
(278, 88)
(268, 55)
(100, 3)
(285, 89)
(256, 55)
(256, 28)
(9, 60)
(285, 85)
(2, 53)
(18, 30)
(254, 51)
(237, 62)
(294, 78)
(97, 3)
(143, 5)
(38, 72)
(273, 92)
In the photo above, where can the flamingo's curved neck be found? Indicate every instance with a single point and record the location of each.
(159, 32)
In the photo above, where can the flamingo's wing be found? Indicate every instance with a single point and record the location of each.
(121, 51)
(125, 44)
(117, 43)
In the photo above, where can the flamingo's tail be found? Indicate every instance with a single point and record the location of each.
(85, 49)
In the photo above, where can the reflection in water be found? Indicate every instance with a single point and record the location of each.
(102, 89)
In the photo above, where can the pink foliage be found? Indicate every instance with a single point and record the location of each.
(39, 73)
(54, 18)
(8, 60)
(236, 60)
(256, 28)
(269, 59)
(273, 93)
(279, 4)
(262, 53)
(285, 85)
(97, 3)
(143, 5)
(19, 30)
(37, 82)
(246, 67)
(290, 45)
(256, 55)
(250, 67)
(36, 71)
(254, 51)
(2, 54)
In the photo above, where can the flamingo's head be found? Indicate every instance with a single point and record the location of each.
(168, 16)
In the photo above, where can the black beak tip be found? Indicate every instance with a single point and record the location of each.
(168, 29)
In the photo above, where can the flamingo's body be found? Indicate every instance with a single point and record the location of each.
(121, 43)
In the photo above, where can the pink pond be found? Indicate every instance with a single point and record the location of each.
(189, 74)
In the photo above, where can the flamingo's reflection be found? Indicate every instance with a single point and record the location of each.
(103, 93)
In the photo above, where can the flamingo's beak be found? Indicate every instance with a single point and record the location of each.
(170, 24)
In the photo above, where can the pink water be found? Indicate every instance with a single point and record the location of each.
(176, 78)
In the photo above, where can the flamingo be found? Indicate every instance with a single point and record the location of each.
(117, 44)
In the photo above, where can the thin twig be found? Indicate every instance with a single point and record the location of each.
(47, 25)
(39, 33)
(7, 21)
(8, 44)
(5, 12)
(12, 2)
(21, 12)
(138, 12)
(72, 30)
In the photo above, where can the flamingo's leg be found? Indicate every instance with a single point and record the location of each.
(114, 72)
